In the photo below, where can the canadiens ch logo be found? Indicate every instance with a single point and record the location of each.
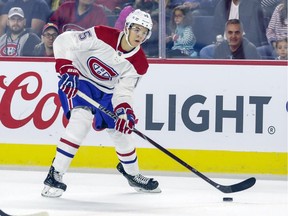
(100, 70)
(9, 50)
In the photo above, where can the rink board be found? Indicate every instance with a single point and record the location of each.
(152, 159)
(218, 117)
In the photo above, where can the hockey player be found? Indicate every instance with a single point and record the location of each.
(106, 65)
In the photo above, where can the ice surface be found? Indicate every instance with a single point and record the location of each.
(108, 193)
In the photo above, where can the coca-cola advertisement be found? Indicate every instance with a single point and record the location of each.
(30, 110)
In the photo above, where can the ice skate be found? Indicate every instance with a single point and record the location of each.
(139, 182)
(53, 185)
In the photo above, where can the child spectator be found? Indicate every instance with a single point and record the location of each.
(281, 49)
(49, 33)
(78, 15)
(182, 36)
(18, 41)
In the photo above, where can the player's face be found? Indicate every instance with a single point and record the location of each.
(16, 24)
(137, 35)
(49, 36)
(234, 34)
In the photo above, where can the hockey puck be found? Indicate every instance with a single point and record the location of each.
(227, 199)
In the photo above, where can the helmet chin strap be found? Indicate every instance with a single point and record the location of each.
(127, 39)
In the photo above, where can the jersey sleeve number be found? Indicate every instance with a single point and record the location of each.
(84, 35)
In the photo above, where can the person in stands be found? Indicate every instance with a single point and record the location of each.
(18, 41)
(281, 49)
(36, 13)
(78, 15)
(235, 46)
(49, 33)
(182, 37)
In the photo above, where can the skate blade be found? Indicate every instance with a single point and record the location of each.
(51, 192)
(156, 190)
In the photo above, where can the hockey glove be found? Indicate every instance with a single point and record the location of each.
(69, 81)
(126, 118)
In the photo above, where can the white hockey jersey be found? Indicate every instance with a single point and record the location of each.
(97, 54)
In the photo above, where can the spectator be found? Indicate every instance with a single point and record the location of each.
(236, 46)
(147, 6)
(281, 49)
(36, 13)
(182, 36)
(18, 41)
(276, 30)
(249, 12)
(78, 15)
(278, 25)
(45, 48)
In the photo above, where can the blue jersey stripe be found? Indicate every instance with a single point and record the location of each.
(65, 153)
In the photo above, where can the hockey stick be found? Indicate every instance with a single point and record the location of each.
(34, 214)
(223, 188)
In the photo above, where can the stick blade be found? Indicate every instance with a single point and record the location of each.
(248, 183)
(33, 214)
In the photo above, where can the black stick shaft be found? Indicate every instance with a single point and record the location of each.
(170, 154)
(225, 189)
